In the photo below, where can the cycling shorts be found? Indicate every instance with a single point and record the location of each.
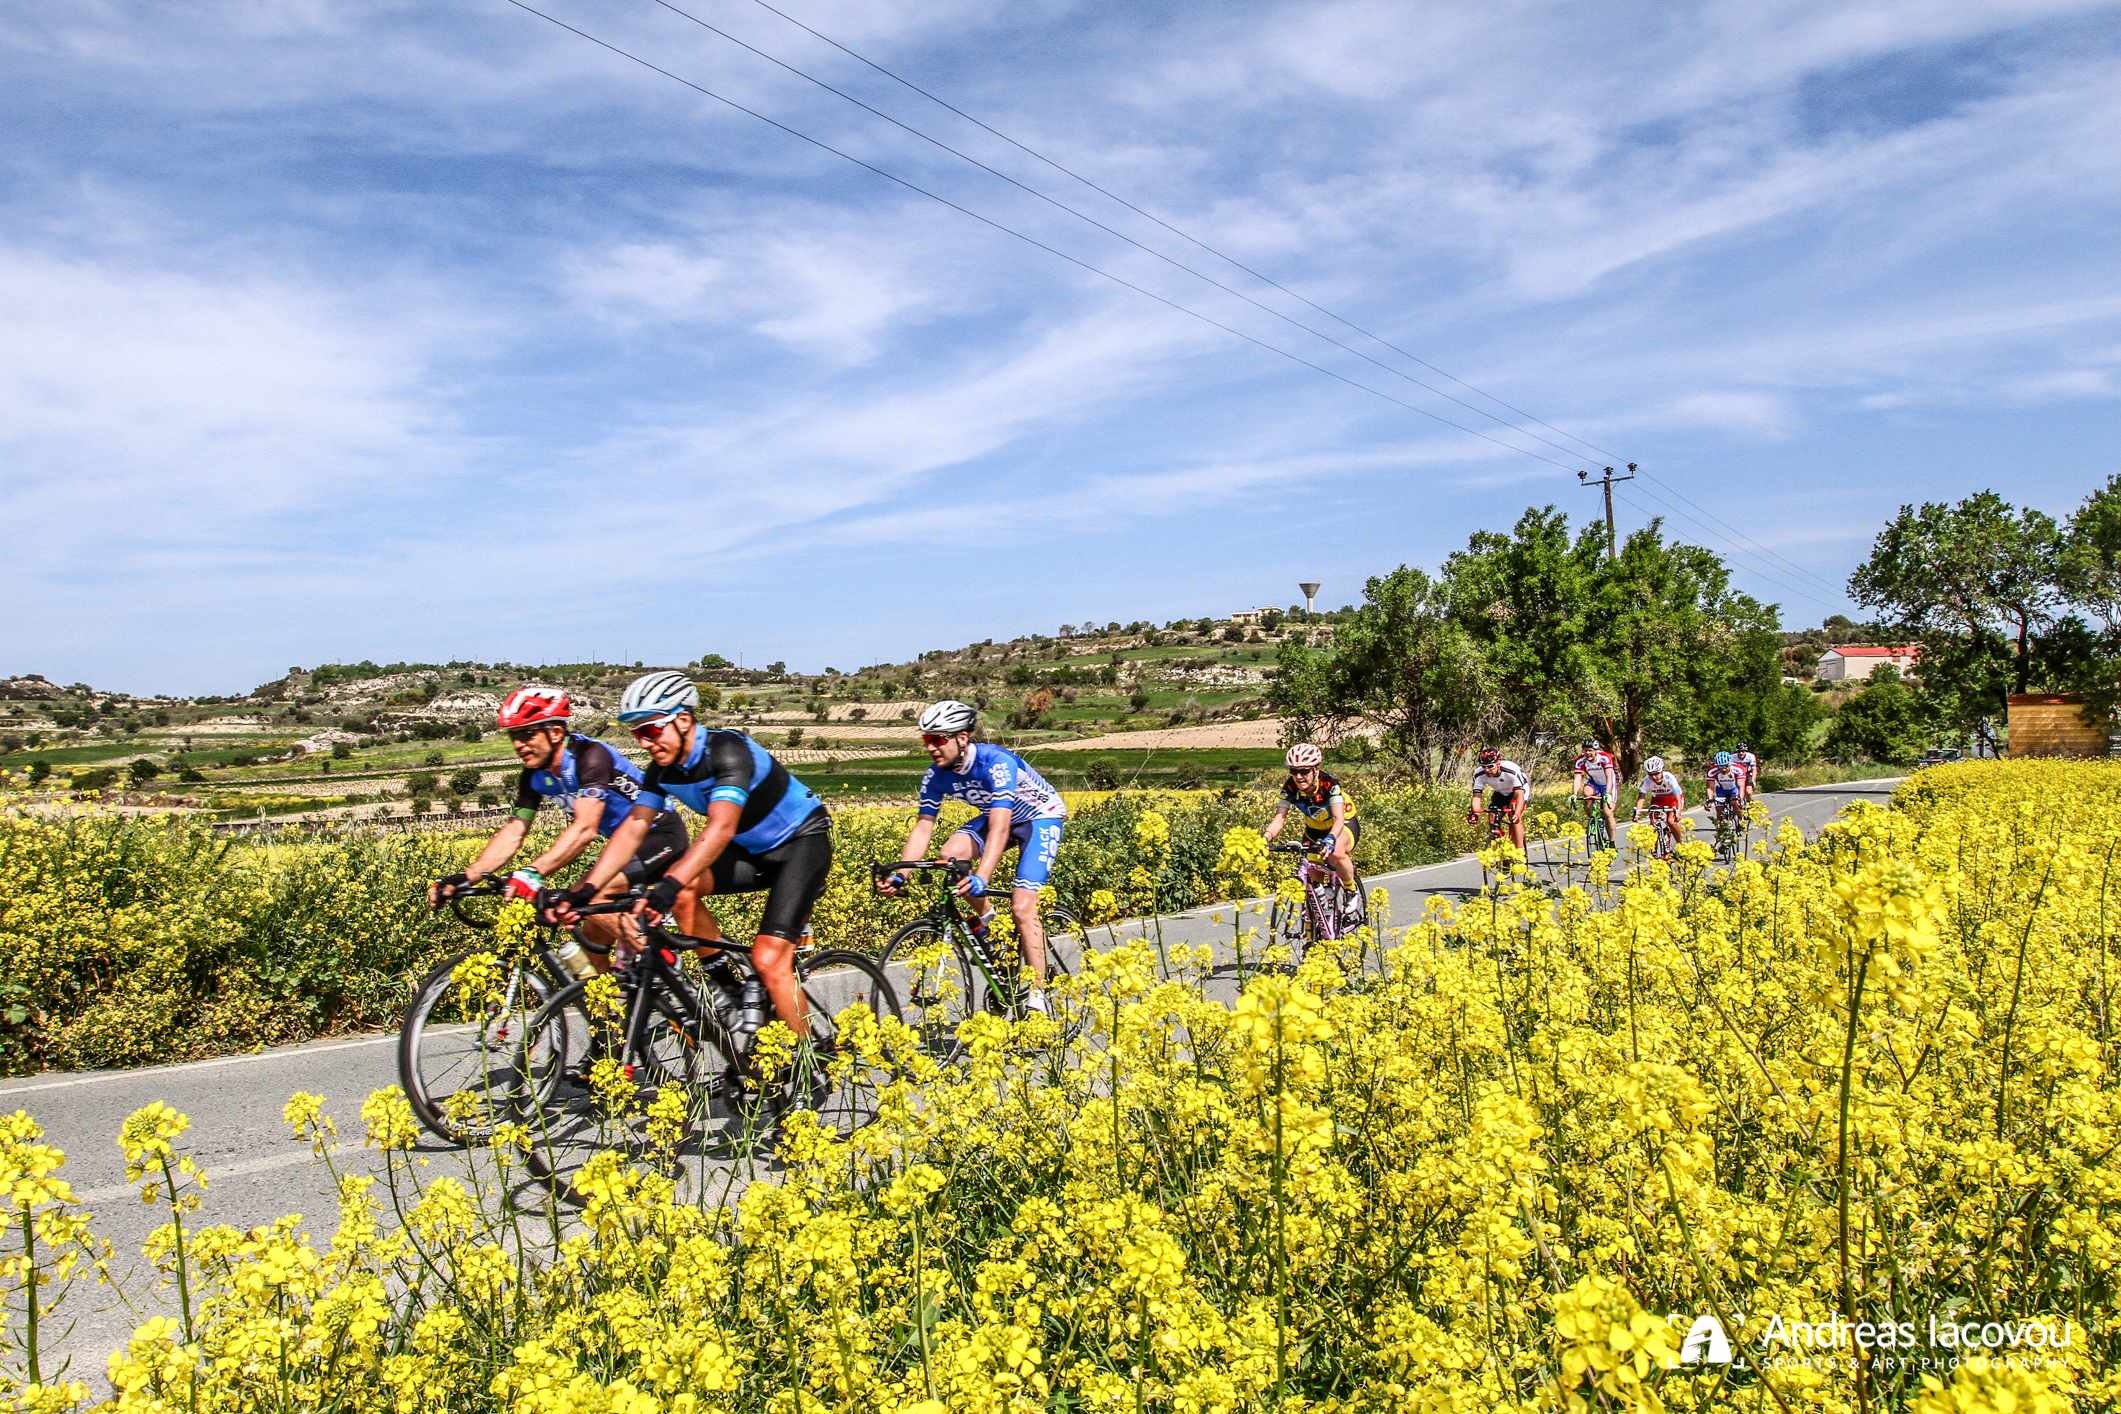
(792, 873)
(1502, 800)
(1597, 785)
(1666, 802)
(1353, 827)
(1037, 843)
(1729, 796)
(660, 848)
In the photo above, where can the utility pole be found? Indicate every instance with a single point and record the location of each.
(1606, 481)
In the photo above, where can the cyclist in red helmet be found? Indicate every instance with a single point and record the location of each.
(1509, 789)
(598, 786)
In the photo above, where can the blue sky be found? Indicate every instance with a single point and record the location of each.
(411, 331)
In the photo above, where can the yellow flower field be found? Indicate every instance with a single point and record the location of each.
(1837, 1132)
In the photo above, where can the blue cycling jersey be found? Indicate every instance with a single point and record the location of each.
(729, 766)
(994, 779)
(587, 770)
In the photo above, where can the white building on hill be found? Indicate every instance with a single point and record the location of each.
(1853, 660)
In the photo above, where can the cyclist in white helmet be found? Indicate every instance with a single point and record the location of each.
(765, 830)
(1016, 805)
(1316, 798)
(1662, 789)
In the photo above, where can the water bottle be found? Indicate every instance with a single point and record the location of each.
(724, 987)
(750, 1012)
(576, 961)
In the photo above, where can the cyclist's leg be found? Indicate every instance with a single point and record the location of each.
(662, 847)
(1516, 821)
(1342, 855)
(799, 868)
(1038, 845)
(967, 842)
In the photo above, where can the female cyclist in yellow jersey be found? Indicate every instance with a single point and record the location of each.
(1326, 812)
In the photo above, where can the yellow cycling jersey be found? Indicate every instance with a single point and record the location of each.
(1316, 808)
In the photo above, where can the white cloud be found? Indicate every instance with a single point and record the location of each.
(2061, 384)
(1763, 414)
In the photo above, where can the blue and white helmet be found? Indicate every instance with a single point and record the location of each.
(654, 696)
(1723, 758)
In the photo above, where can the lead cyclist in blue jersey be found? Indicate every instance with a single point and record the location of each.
(765, 830)
(1016, 807)
(598, 788)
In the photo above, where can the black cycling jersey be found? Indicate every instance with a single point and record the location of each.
(586, 770)
(773, 806)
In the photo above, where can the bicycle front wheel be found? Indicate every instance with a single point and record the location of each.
(843, 1058)
(937, 983)
(457, 1042)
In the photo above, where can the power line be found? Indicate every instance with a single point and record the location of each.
(1767, 574)
(1735, 536)
(1193, 240)
(1112, 231)
(1033, 241)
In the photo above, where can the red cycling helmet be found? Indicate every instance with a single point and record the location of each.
(1489, 755)
(534, 707)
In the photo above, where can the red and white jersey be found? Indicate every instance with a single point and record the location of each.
(1728, 778)
(1749, 763)
(1601, 765)
(1662, 785)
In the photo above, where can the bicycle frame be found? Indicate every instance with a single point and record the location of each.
(947, 912)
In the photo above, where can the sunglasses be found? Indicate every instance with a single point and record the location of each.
(525, 733)
(649, 731)
(932, 739)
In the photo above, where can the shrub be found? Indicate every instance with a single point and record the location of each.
(464, 780)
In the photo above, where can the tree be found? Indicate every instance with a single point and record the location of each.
(1972, 569)
(777, 668)
(340, 750)
(471, 731)
(1401, 664)
(1679, 652)
(714, 660)
(1522, 597)
(143, 771)
(39, 772)
(1884, 722)
(464, 780)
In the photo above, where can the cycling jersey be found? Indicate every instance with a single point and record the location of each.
(1726, 780)
(587, 770)
(990, 778)
(772, 805)
(1663, 788)
(1316, 808)
(1748, 762)
(1507, 778)
(1599, 770)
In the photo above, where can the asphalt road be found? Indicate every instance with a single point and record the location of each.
(257, 1173)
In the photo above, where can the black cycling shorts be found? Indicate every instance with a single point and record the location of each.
(792, 872)
(660, 848)
(1312, 836)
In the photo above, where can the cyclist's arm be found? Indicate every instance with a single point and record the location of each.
(588, 814)
(619, 849)
(498, 851)
(918, 837)
(1339, 808)
(721, 829)
(1273, 826)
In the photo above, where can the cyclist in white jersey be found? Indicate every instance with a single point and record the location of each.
(1598, 778)
(1743, 757)
(1509, 789)
(1016, 805)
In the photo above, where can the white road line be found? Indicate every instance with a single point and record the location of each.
(215, 1173)
(108, 1077)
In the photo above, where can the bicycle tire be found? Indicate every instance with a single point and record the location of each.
(942, 984)
(430, 1073)
(837, 1068)
(568, 1125)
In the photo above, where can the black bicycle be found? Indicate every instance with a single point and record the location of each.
(1322, 915)
(668, 1070)
(1728, 819)
(953, 970)
(457, 1039)
(1659, 818)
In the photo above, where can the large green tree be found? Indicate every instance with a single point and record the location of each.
(1980, 571)
(1683, 658)
(1523, 598)
(1399, 665)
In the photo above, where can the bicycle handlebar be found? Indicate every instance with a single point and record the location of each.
(485, 886)
(955, 868)
(1296, 847)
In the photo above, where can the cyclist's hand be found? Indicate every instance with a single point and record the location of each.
(662, 897)
(972, 886)
(444, 889)
(891, 884)
(524, 883)
(556, 907)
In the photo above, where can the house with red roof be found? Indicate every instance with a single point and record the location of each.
(1859, 660)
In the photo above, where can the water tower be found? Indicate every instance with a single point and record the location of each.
(1310, 589)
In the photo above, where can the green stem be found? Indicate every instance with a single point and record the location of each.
(1841, 1160)
(29, 1293)
(1281, 1234)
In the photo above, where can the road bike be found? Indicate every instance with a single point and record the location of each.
(668, 1069)
(952, 969)
(1728, 819)
(1325, 912)
(457, 1038)
(1595, 834)
(1659, 818)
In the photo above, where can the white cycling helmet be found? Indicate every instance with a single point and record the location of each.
(654, 696)
(1303, 754)
(949, 717)
(1655, 765)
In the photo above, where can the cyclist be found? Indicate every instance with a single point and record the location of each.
(1016, 807)
(1327, 814)
(765, 830)
(1509, 790)
(1598, 778)
(1661, 788)
(1727, 783)
(1743, 757)
(599, 788)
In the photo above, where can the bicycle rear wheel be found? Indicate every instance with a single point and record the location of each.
(651, 1108)
(456, 1047)
(938, 985)
(837, 1068)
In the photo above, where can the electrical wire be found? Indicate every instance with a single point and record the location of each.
(1770, 576)
(1035, 242)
